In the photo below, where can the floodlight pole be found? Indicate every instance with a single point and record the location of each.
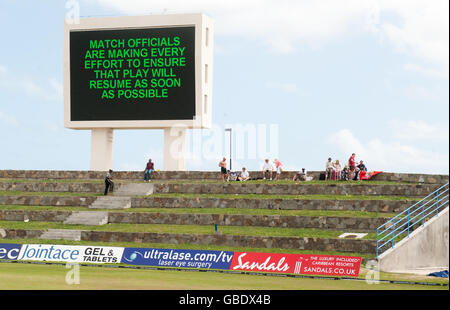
(229, 129)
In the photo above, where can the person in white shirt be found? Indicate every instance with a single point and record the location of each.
(329, 168)
(244, 175)
(300, 176)
(267, 168)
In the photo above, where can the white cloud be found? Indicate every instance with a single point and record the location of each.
(391, 157)
(419, 131)
(424, 29)
(284, 87)
(278, 23)
(429, 72)
(419, 27)
(8, 119)
(50, 90)
(430, 93)
(53, 126)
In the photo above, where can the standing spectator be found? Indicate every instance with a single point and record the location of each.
(109, 184)
(352, 166)
(329, 169)
(278, 165)
(223, 168)
(267, 168)
(337, 170)
(244, 175)
(148, 170)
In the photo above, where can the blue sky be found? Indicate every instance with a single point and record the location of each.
(334, 77)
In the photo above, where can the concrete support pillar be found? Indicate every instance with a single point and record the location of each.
(101, 149)
(174, 148)
(426, 247)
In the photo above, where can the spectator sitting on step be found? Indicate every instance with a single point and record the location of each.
(109, 184)
(301, 175)
(344, 173)
(329, 169)
(337, 170)
(148, 170)
(360, 169)
(361, 166)
(244, 176)
(267, 168)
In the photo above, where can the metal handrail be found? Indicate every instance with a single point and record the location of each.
(423, 214)
(409, 226)
(408, 210)
(412, 216)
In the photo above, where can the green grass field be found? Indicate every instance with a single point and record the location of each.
(19, 276)
(220, 196)
(239, 211)
(27, 276)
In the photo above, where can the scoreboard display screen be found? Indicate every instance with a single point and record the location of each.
(132, 74)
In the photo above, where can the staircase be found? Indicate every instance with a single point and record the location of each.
(94, 218)
(412, 218)
(134, 189)
(121, 198)
(65, 234)
(111, 202)
(423, 229)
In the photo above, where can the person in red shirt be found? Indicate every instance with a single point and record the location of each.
(278, 165)
(352, 166)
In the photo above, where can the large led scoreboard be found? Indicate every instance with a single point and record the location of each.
(137, 72)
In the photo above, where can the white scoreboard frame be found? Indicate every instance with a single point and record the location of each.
(203, 67)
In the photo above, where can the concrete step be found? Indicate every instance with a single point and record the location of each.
(199, 175)
(65, 234)
(111, 202)
(88, 218)
(134, 189)
(268, 188)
